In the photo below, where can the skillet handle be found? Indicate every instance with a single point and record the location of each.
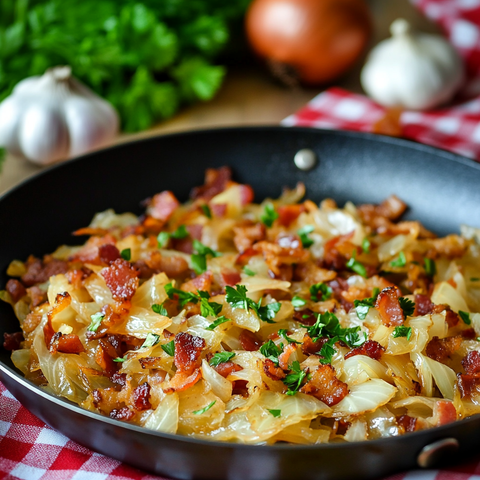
(433, 453)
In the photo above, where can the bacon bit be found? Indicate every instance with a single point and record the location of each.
(249, 341)
(285, 355)
(287, 214)
(216, 181)
(119, 378)
(309, 347)
(468, 384)
(218, 209)
(246, 194)
(151, 225)
(89, 253)
(203, 283)
(123, 413)
(172, 266)
(388, 306)
(105, 361)
(272, 371)
(62, 301)
(377, 216)
(69, 343)
(451, 318)
(227, 368)
(310, 317)
(121, 278)
(12, 341)
(468, 333)
(182, 381)
(423, 305)
(97, 398)
(15, 289)
(442, 349)
(144, 271)
(471, 362)
(325, 386)
(108, 253)
(77, 276)
(452, 246)
(100, 232)
(229, 277)
(337, 250)
(245, 257)
(163, 205)
(40, 271)
(185, 245)
(245, 236)
(187, 352)
(31, 322)
(370, 348)
(140, 397)
(240, 388)
(407, 423)
(444, 412)
(311, 273)
(150, 362)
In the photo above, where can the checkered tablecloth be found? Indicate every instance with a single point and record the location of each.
(30, 450)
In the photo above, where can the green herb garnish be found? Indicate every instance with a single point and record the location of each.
(183, 297)
(271, 351)
(401, 261)
(218, 322)
(327, 351)
(407, 306)
(203, 410)
(120, 359)
(126, 254)
(164, 237)
(275, 413)
(169, 348)
(322, 288)
(294, 380)
(283, 333)
(206, 210)
(363, 306)
(402, 331)
(298, 302)
(221, 357)
(150, 340)
(249, 272)
(465, 316)
(160, 309)
(357, 267)
(96, 321)
(199, 258)
(366, 245)
(430, 267)
(269, 215)
(303, 234)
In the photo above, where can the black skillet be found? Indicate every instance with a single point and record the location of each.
(442, 190)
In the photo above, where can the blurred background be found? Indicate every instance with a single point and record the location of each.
(164, 65)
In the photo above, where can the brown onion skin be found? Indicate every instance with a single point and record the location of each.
(319, 39)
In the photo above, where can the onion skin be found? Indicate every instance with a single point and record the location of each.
(319, 39)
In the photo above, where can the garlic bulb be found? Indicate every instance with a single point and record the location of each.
(53, 117)
(412, 70)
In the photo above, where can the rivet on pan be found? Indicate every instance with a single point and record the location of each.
(305, 159)
(432, 454)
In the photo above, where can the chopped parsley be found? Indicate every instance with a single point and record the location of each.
(275, 413)
(303, 234)
(363, 306)
(402, 331)
(96, 321)
(126, 254)
(283, 333)
(199, 258)
(208, 309)
(120, 359)
(294, 380)
(249, 272)
(169, 348)
(327, 351)
(465, 316)
(160, 309)
(400, 261)
(218, 322)
(430, 267)
(221, 357)
(267, 312)
(150, 340)
(298, 302)
(271, 351)
(269, 215)
(366, 245)
(204, 409)
(322, 288)
(206, 210)
(407, 306)
(164, 237)
(357, 267)
(183, 297)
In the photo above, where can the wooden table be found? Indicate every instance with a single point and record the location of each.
(249, 96)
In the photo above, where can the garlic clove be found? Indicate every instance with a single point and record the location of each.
(43, 134)
(11, 112)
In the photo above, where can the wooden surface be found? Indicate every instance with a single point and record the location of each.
(249, 96)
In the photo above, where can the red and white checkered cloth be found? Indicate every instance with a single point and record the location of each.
(456, 128)
(30, 450)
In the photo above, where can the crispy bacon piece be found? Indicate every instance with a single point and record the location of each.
(31, 322)
(203, 283)
(150, 362)
(15, 289)
(443, 412)
(442, 349)
(245, 236)
(140, 397)
(69, 343)
(182, 381)
(12, 341)
(121, 278)
(468, 333)
(39, 271)
(185, 245)
(325, 386)
(249, 341)
(108, 253)
(227, 368)
(451, 318)
(76, 276)
(287, 214)
(423, 305)
(163, 205)
(468, 384)
(311, 273)
(285, 355)
(407, 423)
(370, 348)
(216, 181)
(37, 296)
(90, 252)
(272, 371)
(338, 250)
(471, 362)
(309, 347)
(105, 361)
(229, 277)
(389, 308)
(187, 352)
(377, 216)
(305, 317)
(246, 194)
(62, 301)
(123, 413)
(218, 209)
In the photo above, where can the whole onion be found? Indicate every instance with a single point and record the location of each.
(319, 39)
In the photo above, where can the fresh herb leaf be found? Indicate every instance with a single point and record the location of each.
(275, 413)
(221, 357)
(401, 261)
(209, 309)
(366, 245)
(183, 297)
(206, 210)
(180, 232)
(202, 249)
(327, 351)
(357, 267)
(237, 297)
(150, 340)
(363, 306)
(218, 322)
(465, 316)
(249, 272)
(294, 380)
(298, 302)
(126, 254)
(96, 321)
(303, 234)
(160, 309)
(283, 333)
(169, 348)
(430, 267)
(267, 312)
(407, 306)
(120, 359)
(269, 215)
(324, 289)
(402, 331)
(199, 258)
(271, 351)
(203, 410)
(162, 239)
